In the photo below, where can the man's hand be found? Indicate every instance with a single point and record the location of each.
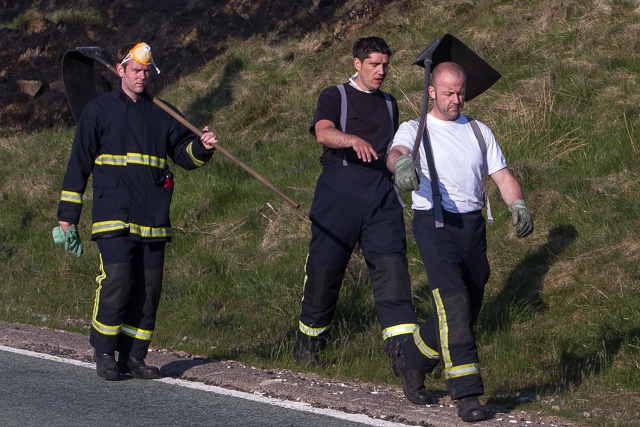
(363, 149)
(521, 218)
(69, 237)
(208, 139)
(406, 176)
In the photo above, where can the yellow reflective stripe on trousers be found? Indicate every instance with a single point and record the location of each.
(131, 158)
(71, 196)
(140, 230)
(101, 327)
(197, 162)
(462, 371)
(137, 333)
(105, 329)
(313, 332)
(450, 371)
(424, 349)
(306, 278)
(443, 328)
(395, 330)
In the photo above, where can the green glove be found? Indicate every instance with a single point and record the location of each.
(406, 176)
(521, 218)
(58, 235)
(71, 240)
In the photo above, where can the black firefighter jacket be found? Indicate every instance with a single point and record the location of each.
(125, 145)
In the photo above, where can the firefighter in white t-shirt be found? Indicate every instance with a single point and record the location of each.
(454, 255)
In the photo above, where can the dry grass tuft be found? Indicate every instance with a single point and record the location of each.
(624, 183)
(285, 226)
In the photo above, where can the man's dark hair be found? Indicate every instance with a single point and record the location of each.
(364, 47)
(124, 51)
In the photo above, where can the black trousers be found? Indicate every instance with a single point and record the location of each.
(127, 296)
(457, 269)
(352, 205)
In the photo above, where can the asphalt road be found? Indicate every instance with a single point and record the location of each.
(47, 378)
(51, 392)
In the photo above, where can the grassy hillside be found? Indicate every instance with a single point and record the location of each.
(560, 328)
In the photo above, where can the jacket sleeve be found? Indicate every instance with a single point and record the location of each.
(184, 147)
(84, 151)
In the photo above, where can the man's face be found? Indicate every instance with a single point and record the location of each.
(372, 71)
(134, 78)
(448, 94)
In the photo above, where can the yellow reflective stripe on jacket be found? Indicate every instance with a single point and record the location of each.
(104, 226)
(131, 158)
(71, 196)
(392, 331)
(150, 232)
(313, 332)
(443, 327)
(462, 371)
(424, 349)
(137, 333)
(140, 230)
(196, 161)
(145, 159)
(111, 159)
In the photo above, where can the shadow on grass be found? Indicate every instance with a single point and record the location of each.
(579, 361)
(520, 296)
(202, 109)
(575, 363)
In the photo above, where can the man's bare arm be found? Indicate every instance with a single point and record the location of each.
(328, 135)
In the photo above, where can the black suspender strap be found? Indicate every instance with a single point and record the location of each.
(433, 177)
(485, 166)
(343, 108)
(343, 121)
(387, 98)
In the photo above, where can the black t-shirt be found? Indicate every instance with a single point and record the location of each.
(367, 117)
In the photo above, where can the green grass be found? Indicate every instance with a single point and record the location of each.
(560, 328)
(81, 13)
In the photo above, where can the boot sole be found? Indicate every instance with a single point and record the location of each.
(473, 419)
(110, 377)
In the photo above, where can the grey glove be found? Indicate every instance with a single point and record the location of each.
(71, 239)
(521, 218)
(406, 176)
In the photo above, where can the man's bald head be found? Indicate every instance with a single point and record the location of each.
(448, 90)
(448, 68)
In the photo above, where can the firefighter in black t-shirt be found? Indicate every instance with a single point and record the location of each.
(355, 202)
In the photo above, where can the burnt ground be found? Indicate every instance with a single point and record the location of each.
(385, 402)
(183, 36)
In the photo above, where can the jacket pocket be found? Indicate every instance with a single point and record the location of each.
(162, 206)
(105, 196)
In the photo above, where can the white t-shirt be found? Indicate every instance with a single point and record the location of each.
(458, 161)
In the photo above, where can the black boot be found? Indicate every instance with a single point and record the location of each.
(137, 368)
(412, 381)
(106, 365)
(308, 351)
(470, 409)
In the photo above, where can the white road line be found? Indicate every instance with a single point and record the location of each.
(298, 406)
